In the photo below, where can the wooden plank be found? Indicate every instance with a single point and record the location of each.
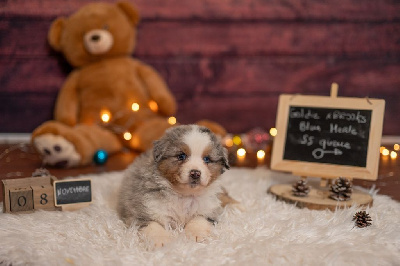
(247, 38)
(35, 75)
(249, 76)
(236, 114)
(28, 38)
(187, 77)
(229, 9)
(198, 80)
(25, 112)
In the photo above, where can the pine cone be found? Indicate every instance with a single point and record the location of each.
(41, 172)
(341, 189)
(300, 188)
(362, 219)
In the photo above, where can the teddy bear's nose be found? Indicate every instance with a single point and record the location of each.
(95, 37)
(98, 41)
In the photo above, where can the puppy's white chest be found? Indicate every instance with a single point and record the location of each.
(183, 209)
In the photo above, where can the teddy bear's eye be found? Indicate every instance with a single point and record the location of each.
(106, 27)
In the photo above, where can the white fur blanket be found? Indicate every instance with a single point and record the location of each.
(269, 232)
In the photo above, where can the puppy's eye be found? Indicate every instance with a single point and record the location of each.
(206, 159)
(182, 156)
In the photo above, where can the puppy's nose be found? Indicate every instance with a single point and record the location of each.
(195, 174)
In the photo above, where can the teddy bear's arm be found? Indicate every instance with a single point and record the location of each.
(158, 89)
(66, 109)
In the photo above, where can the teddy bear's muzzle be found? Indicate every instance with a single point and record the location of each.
(98, 41)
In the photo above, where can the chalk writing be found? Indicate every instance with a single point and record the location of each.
(319, 153)
(327, 135)
(303, 113)
(349, 116)
(307, 126)
(71, 192)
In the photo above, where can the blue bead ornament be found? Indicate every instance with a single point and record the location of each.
(100, 157)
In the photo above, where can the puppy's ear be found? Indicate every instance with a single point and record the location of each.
(225, 160)
(159, 148)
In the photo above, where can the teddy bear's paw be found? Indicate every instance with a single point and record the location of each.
(198, 229)
(57, 151)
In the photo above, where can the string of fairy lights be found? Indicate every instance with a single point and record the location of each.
(239, 141)
(107, 119)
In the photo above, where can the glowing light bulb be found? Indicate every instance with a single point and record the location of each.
(127, 136)
(172, 120)
(385, 152)
(396, 147)
(105, 116)
(153, 106)
(381, 149)
(393, 155)
(273, 132)
(260, 154)
(135, 107)
(229, 142)
(237, 140)
(241, 153)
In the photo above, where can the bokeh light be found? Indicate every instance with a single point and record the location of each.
(135, 107)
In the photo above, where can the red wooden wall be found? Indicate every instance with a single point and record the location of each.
(226, 60)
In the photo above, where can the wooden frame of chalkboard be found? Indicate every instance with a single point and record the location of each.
(328, 137)
(72, 192)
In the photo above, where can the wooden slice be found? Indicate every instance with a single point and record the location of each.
(318, 199)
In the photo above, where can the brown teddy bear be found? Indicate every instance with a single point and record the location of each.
(98, 40)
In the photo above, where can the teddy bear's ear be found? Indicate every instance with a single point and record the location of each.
(55, 32)
(130, 11)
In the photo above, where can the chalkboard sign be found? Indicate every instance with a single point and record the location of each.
(328, 136)
(72, 192)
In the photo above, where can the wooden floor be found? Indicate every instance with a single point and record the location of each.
(20, 160)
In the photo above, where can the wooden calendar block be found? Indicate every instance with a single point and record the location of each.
(21, 199)
(43, 197)
(10, 185)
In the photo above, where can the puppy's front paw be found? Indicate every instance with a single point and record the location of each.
(57, 151)
(156, 235)
(198, 229)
